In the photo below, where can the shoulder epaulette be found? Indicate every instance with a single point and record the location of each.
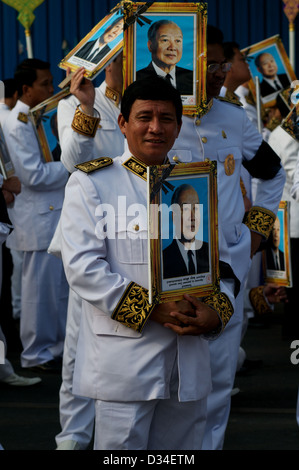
(234, 101)
(23, 117)
(93, 165)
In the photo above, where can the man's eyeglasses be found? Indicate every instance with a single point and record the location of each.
(225, 67)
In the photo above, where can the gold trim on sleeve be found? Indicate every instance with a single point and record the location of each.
(133, 308)
(84, 124)
(258, 301)
(260, 220)
(223, 306)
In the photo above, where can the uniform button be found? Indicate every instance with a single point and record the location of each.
(136, 227)
(204, 140)
(176, 159)
(197, 122)
(51, 208)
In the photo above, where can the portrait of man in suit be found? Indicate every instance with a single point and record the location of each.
(186, 255)
(95, 50)
(165, 43)
(274, 256)
(272, 81)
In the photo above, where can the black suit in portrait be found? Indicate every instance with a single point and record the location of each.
(271, 262)
(84, 52)
(175, 266)
(266, 89)
(184, 78)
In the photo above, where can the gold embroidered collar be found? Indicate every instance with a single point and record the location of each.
(137, 167)
(204, 109)
(112, 95)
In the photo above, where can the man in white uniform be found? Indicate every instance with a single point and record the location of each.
(225, 134)
(34, 216)
(9, 101)
(146, 365)
(88, 128)
(10, 187)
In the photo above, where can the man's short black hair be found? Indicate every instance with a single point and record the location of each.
(214, 35)
(25, 73)
(230, 49)
(10, 87)
(154, 88)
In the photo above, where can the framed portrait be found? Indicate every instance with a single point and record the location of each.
(99, 47)
(168, 39)
(183, 230)
(44, 118)
(291, 123)
(276, 256)
(269, 62)
(6, 165)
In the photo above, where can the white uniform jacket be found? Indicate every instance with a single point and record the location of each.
(226, 135)
(288, 150)
(37, 208)
(77, 148)
(113, 361)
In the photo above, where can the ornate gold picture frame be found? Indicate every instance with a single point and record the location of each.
(276, 256)
(6, 165)
(168, 39)
(291, 123)
(269, 62)
(99, 47)
(183, 217)
(44, 118)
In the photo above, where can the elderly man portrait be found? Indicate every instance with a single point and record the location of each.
(165, 43)
(186, 255)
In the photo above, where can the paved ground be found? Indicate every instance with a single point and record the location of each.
(262, 416)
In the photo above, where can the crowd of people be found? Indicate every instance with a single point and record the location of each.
(136, 374)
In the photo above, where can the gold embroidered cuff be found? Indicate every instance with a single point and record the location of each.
(223, 306)
(258, 301)
(260, 220)
(133, 308)
(84, 124)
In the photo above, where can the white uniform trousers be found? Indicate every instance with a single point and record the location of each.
(76, 413)
(165, 424)
(224, 358)
(6, 368)
(44, 308)
(16, 283)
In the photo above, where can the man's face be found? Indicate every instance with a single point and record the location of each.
(215, 55)
(240, 68)
(114, 31)
(41, 89)
(168, 46)
(267, 66)
(276, 234)
(151, 130)
(190, 214)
